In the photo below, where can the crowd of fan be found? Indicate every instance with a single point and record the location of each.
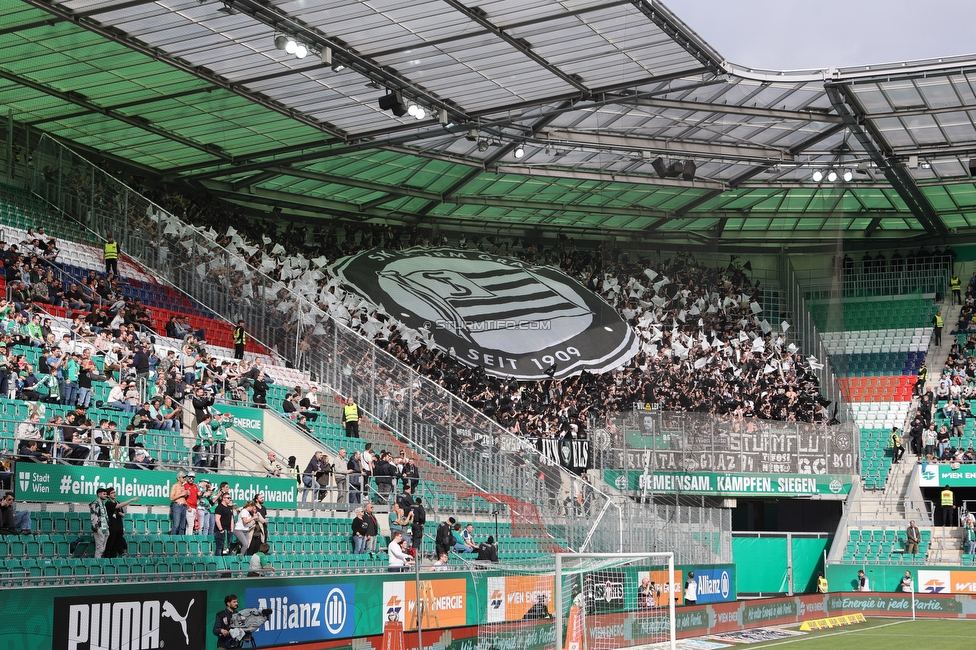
(705, 344)
(941, 439)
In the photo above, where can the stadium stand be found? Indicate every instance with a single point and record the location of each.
(877, 346)
(884, 546)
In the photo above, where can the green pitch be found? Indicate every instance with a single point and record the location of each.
(882, 634)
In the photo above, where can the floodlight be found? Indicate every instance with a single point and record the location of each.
(281, 41)
(519, 151)
(817, 176)
(832, 176)
(482, 144)
(848, 175)
(291, 46)
(688, 173)
(301, 51)
(412, 110)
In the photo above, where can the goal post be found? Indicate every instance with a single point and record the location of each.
(593, 591)
(577, 601)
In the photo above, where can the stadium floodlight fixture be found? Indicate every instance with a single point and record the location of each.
(519, 151)
(281, 41)
(417, 111)
(301, 50)
(483, 144)
(832, 176)
(291, 46)
(848, 175)
(817, 176)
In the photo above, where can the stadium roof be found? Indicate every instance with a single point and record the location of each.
(593, 91)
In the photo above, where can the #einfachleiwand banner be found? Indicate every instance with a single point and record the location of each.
(71, 483)
(512, 318)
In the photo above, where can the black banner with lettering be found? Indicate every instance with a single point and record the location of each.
(573, 455)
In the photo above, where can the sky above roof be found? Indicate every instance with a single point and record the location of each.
(792, 35)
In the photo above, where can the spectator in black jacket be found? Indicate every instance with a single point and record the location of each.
(202, 401)
(384, 473)
(487, 551)
(410, 476)
(360, 530)
(372, 528)
(260, 395)
(419, 519)
(444, 538)
(140, 363)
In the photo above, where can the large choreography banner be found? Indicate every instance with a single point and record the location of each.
(514, 319)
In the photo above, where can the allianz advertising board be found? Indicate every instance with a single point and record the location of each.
(714, 586)
(306, 613)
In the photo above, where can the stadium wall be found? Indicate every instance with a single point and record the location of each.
(179, 615)
(939, 580)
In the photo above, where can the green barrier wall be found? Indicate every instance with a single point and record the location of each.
(808, 560)
(767, 559)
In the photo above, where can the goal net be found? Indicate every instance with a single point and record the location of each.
(579, 602)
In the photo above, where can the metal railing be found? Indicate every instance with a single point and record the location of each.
(922, 275)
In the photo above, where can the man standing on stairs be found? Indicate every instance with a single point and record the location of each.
(937, 329)
(912, 538)
(351, 416)
(111, 255)
(956, 285)
(897, 449)
(923, 376)
(948, 507)
(240, 340)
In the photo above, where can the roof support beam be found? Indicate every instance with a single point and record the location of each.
(255, 179)
(125, 105)
(845, 102)
(608, 177)
(79, 100)
(469, 34)
(481, 18)
(731, 109)
(682, 34)
(270, 197)
(766, 155)
(26, 27)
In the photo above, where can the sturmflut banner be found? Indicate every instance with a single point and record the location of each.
(511, 318)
